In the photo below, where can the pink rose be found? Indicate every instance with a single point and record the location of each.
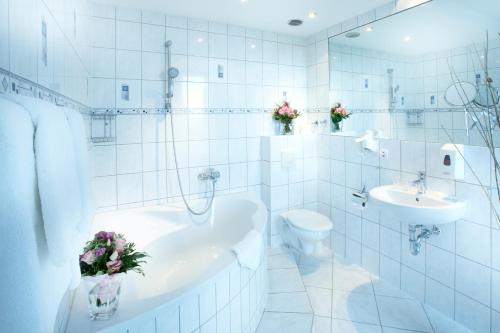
(120, 245)
(88, 257)
(114, 266)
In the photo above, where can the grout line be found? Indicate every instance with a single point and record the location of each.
(428, 318)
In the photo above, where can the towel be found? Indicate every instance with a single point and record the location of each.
(249, 250)
(32, 288)
(77, 128)
(57, 177)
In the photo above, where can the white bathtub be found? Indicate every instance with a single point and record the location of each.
(192, 280)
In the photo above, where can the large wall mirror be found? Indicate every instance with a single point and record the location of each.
(428, 74)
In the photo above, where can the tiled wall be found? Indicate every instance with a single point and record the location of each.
(65, 68)
(218, 120)
(457, 272)
(289, 177)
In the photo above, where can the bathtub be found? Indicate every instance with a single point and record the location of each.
(193, 281)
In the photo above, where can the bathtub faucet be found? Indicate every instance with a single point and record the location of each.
(209, 174)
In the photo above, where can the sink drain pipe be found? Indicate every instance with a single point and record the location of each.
(417, 233)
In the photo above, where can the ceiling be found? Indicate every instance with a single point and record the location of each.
(432, 27)
(268, 15)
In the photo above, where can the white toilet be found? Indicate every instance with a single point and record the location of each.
(305, 230)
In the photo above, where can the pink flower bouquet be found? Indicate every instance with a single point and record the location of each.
(109, 253)
(338, 113)
(103, 260)
(285, 114)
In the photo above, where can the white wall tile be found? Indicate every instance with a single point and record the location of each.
(129, 158)
(128, 64)
(128, 35)
(129, 188)
(153, 38)
(473, 280)
(103, 32)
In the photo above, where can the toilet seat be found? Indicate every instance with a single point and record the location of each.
(308, 220)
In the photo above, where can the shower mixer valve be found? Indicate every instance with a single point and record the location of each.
(209, 174)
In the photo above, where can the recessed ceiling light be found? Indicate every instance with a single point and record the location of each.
(369, 29)
(407, 38)
(252, 46)
(200, 40)
(352, 34)
(312, 14)
(295, 22)
(243, 1)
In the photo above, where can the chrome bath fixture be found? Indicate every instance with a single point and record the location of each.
(210, 174)
(393, 90)
(416, 239)
(421, 183)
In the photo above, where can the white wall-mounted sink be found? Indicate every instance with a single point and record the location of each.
(411, 207)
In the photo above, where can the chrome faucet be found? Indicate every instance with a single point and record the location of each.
(421, 183)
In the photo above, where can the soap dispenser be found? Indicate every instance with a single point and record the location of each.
(452, 161)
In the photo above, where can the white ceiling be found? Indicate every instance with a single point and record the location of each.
(270, 15)
(434, 26)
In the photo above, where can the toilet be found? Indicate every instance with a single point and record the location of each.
(305, 231)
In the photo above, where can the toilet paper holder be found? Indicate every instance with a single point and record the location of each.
(360, 198)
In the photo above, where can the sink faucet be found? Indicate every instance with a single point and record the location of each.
(420, 183)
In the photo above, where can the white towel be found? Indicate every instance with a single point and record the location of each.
(249, 250)
(31, 286)
(77, 127)
(57, 177)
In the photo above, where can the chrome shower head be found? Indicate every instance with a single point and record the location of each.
(172, 73)
(168, 43)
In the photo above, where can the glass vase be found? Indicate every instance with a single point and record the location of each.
(335, 127)
(286, 128)
(103, 295)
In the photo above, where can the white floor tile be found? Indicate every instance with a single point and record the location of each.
(354, 306)
(351, 280)
(442, 323)
(384, 288)
(397, 330)
(321, 301)
(403, 313)
(321, 325)
(285, 280)
(320, 277)
(346, 326)
(272, 322)
(289, 302)
(285, 260)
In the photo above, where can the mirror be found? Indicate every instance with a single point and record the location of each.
(461, 94)
(409, 75)
(487, 96)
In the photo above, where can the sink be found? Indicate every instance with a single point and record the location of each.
(411, 207)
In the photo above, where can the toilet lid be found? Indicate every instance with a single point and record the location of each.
(308, 220)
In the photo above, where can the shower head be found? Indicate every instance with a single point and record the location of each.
(172, 73)
(168, 43)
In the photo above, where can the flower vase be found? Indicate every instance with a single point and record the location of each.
(103, 295)
(286, 128)
(335, 127)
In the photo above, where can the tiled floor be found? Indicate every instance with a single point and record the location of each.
(336, 297)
